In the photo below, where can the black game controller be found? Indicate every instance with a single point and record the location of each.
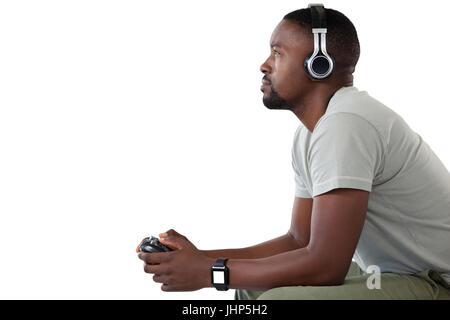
(153, 245)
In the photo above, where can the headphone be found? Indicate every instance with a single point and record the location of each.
(319, 65)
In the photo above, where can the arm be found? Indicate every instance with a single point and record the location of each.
(337, 221)
(297, 237)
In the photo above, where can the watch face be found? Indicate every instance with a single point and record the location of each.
(219, 277)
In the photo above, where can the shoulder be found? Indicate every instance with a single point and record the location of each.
(345, 132)
(343, 121)
(352, 108)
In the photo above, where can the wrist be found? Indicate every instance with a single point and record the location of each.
(209, 254)
(209, 262)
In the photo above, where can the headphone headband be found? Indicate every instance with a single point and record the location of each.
(318, 16)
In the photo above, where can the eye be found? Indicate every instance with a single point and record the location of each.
(275, 51)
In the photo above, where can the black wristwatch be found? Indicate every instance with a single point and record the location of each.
(219, 274)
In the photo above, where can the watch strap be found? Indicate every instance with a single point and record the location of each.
(220, 262)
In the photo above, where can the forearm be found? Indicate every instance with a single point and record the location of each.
(292, 268)
(266, 249)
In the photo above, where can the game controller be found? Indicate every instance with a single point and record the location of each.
(152, 244)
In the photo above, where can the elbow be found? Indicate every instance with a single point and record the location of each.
(326, 277)
(327, 271)
(333, 279)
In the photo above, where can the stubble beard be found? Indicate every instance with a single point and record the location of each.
(275, 102)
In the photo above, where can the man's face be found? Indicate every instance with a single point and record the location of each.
(285, 80)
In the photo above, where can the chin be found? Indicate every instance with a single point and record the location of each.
(273, 105)
(275, 102)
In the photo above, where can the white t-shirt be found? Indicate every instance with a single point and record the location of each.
(360, 143)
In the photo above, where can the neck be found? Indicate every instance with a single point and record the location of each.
(314, 105)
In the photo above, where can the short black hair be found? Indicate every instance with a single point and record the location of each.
(342, 39)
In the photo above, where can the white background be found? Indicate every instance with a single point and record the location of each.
(122, 119)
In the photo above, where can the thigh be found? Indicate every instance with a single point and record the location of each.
(242, 294)
(392, 286)
(424, 285)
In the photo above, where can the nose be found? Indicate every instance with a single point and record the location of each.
(265, 67)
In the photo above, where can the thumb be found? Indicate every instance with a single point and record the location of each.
(163, 235)
(173, 242)
(169, 233)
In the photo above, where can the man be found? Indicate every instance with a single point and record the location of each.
(367, 188)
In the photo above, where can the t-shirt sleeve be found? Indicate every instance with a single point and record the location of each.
(346, 151)
(300, 188)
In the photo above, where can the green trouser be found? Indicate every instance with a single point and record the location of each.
(426, 285)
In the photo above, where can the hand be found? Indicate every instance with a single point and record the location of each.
(184, 269)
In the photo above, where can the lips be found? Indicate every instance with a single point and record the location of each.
(265, 81)
(264, 84)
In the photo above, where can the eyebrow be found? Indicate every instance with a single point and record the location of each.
(275, 45)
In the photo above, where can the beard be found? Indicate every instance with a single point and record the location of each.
(275, 101)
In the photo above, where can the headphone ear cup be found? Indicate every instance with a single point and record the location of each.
(320, 65)
(305, 64)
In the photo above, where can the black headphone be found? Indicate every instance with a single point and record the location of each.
(319, 65)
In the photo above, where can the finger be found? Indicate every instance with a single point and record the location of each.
(159, 278)
(154, 268)
(173, 242)
(166, 287)
(172, 232)
(153, 257)
(163, 235)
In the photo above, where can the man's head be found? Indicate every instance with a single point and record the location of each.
(285, 81)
